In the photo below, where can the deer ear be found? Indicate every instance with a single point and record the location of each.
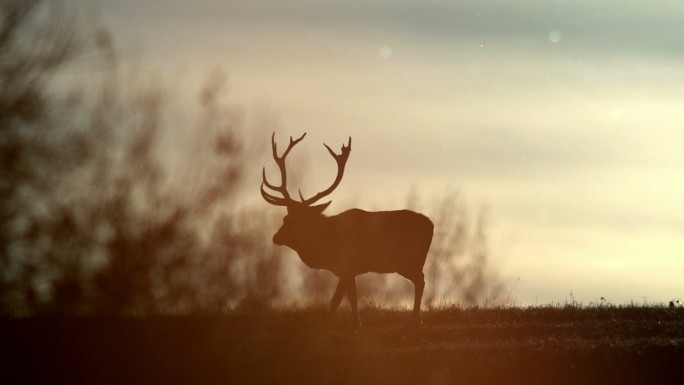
(320, 208)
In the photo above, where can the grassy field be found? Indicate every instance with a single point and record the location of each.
(545, 345)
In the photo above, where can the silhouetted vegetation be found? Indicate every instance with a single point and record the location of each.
(90, 223)
(33, 48)
(99, 214)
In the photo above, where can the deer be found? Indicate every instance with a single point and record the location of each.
(353, 242)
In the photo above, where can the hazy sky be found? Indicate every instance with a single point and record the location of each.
(564, 117)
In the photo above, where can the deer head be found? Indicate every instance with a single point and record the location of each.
(302, 214)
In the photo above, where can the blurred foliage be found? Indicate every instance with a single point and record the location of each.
(33, 47)
(89, 222)
(92, 217)
(458, 261)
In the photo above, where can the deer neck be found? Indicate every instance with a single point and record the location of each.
(314, 246)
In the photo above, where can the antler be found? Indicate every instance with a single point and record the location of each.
(285, 200)
(341, 160)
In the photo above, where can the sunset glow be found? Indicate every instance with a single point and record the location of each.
(563, 119)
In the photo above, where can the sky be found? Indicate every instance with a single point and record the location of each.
(563, 118)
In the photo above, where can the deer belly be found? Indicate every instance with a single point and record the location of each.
(389, 260)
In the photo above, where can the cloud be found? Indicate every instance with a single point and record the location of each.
(604, 28)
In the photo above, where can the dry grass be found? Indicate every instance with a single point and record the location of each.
(629, 344)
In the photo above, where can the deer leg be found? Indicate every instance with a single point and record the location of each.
(340, 291)
(419, 284)
(351, 296)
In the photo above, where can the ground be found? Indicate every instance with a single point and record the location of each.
(545, 345)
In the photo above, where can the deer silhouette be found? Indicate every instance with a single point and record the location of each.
(353, 242)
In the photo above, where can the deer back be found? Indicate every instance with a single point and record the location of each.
(358, 241)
